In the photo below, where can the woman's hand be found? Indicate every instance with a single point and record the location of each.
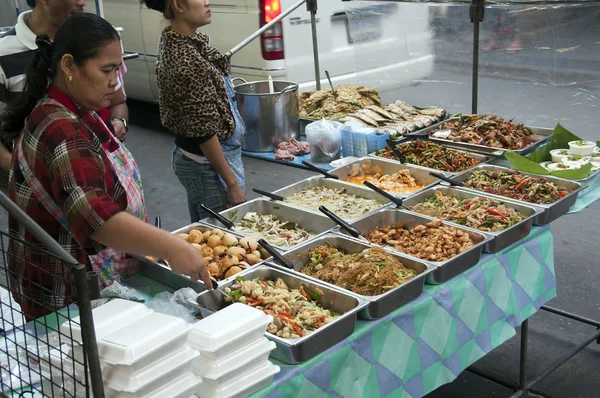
(186, 259)
(236, 195)
(120, 131)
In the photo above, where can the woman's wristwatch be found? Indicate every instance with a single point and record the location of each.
(122, 121)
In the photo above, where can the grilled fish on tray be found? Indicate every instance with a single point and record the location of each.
(398, 118)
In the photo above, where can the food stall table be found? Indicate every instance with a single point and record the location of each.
(429, 342)
(297, 162)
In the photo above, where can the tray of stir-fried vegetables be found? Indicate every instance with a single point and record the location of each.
(507, 221)
(554, 195)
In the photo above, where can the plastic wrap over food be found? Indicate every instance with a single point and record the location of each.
(538, 63)
(11, 316)
(173, 304)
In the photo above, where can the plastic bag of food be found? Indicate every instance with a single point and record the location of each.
(116, 290)
(170, 304)
(325, 140)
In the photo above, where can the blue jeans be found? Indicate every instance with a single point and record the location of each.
(202, 184)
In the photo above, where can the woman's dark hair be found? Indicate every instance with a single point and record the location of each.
(166, 7)
(83, 35)
(31, 3)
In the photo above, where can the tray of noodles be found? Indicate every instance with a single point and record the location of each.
(386, 280)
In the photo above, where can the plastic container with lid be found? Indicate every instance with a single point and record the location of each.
(108, 318)
(147, 339)
(231, 366)
(244, 385)
(185, 386)
(151, 377)
(228, 330)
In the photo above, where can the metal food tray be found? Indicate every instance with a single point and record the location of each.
(483, 159)
(203, 227)
(552, 211)
(353, 189)
(293, 351)
(316, 224)
(378, 306)
(389, 167)
(541, 132)
(501, 239)
(445, 270)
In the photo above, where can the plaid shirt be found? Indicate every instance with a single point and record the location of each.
(70, 163)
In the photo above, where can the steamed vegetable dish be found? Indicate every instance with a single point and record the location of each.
(432, 241)
(512, 184)
(484, 214)
(370, 273)
(295, 312)
(345, 205)
(275, 231)
(399, 182)
(488, 130)
(432, 155)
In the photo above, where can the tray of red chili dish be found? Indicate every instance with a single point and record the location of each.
(489, 134)
(554, 195)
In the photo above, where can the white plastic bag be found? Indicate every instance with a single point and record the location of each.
(170, 304)
(325, 140)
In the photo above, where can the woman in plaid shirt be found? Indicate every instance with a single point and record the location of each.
(73, 177)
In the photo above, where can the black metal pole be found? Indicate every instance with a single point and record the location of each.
(311, 6)
(523, 355)
(476, 13)
(571, 316)
(555, 365)
(88, 333)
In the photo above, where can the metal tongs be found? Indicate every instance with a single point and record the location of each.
(396, 151)
(268, 194)
(397, 201)
(343, 224)
(449, 180)
(227, 223)
(319, 170)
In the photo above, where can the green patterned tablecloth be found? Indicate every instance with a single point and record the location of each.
(429, 342)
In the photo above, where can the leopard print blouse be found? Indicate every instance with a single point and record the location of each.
(192, 96)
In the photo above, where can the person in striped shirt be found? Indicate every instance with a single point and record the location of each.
(17, 49)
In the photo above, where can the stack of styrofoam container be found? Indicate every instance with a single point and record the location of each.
(234, 353)
(143, 353)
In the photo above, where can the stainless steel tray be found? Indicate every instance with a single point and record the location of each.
(202, 227)
(543, 134)
(447, 269)
(316, 224)
(383, 304)
(483, 159)
(420, 174)
(552, 211)
(353, 189)
(501, 239)
(294, 351)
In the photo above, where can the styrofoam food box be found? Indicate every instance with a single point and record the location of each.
(185, 386)
(244, 385)
(152, 377)
(108, 318)
(228, 330)
(147, 339)
(229, 367)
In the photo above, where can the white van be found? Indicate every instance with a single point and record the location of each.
(390, 44)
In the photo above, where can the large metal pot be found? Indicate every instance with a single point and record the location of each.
(269, 117)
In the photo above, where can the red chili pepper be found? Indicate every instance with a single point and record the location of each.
(562, 194)
(468, 206)
(497, 213)
(522, 183)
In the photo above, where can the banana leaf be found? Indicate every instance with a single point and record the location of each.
(559, 139)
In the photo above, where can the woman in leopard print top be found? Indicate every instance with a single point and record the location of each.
(197, 104)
